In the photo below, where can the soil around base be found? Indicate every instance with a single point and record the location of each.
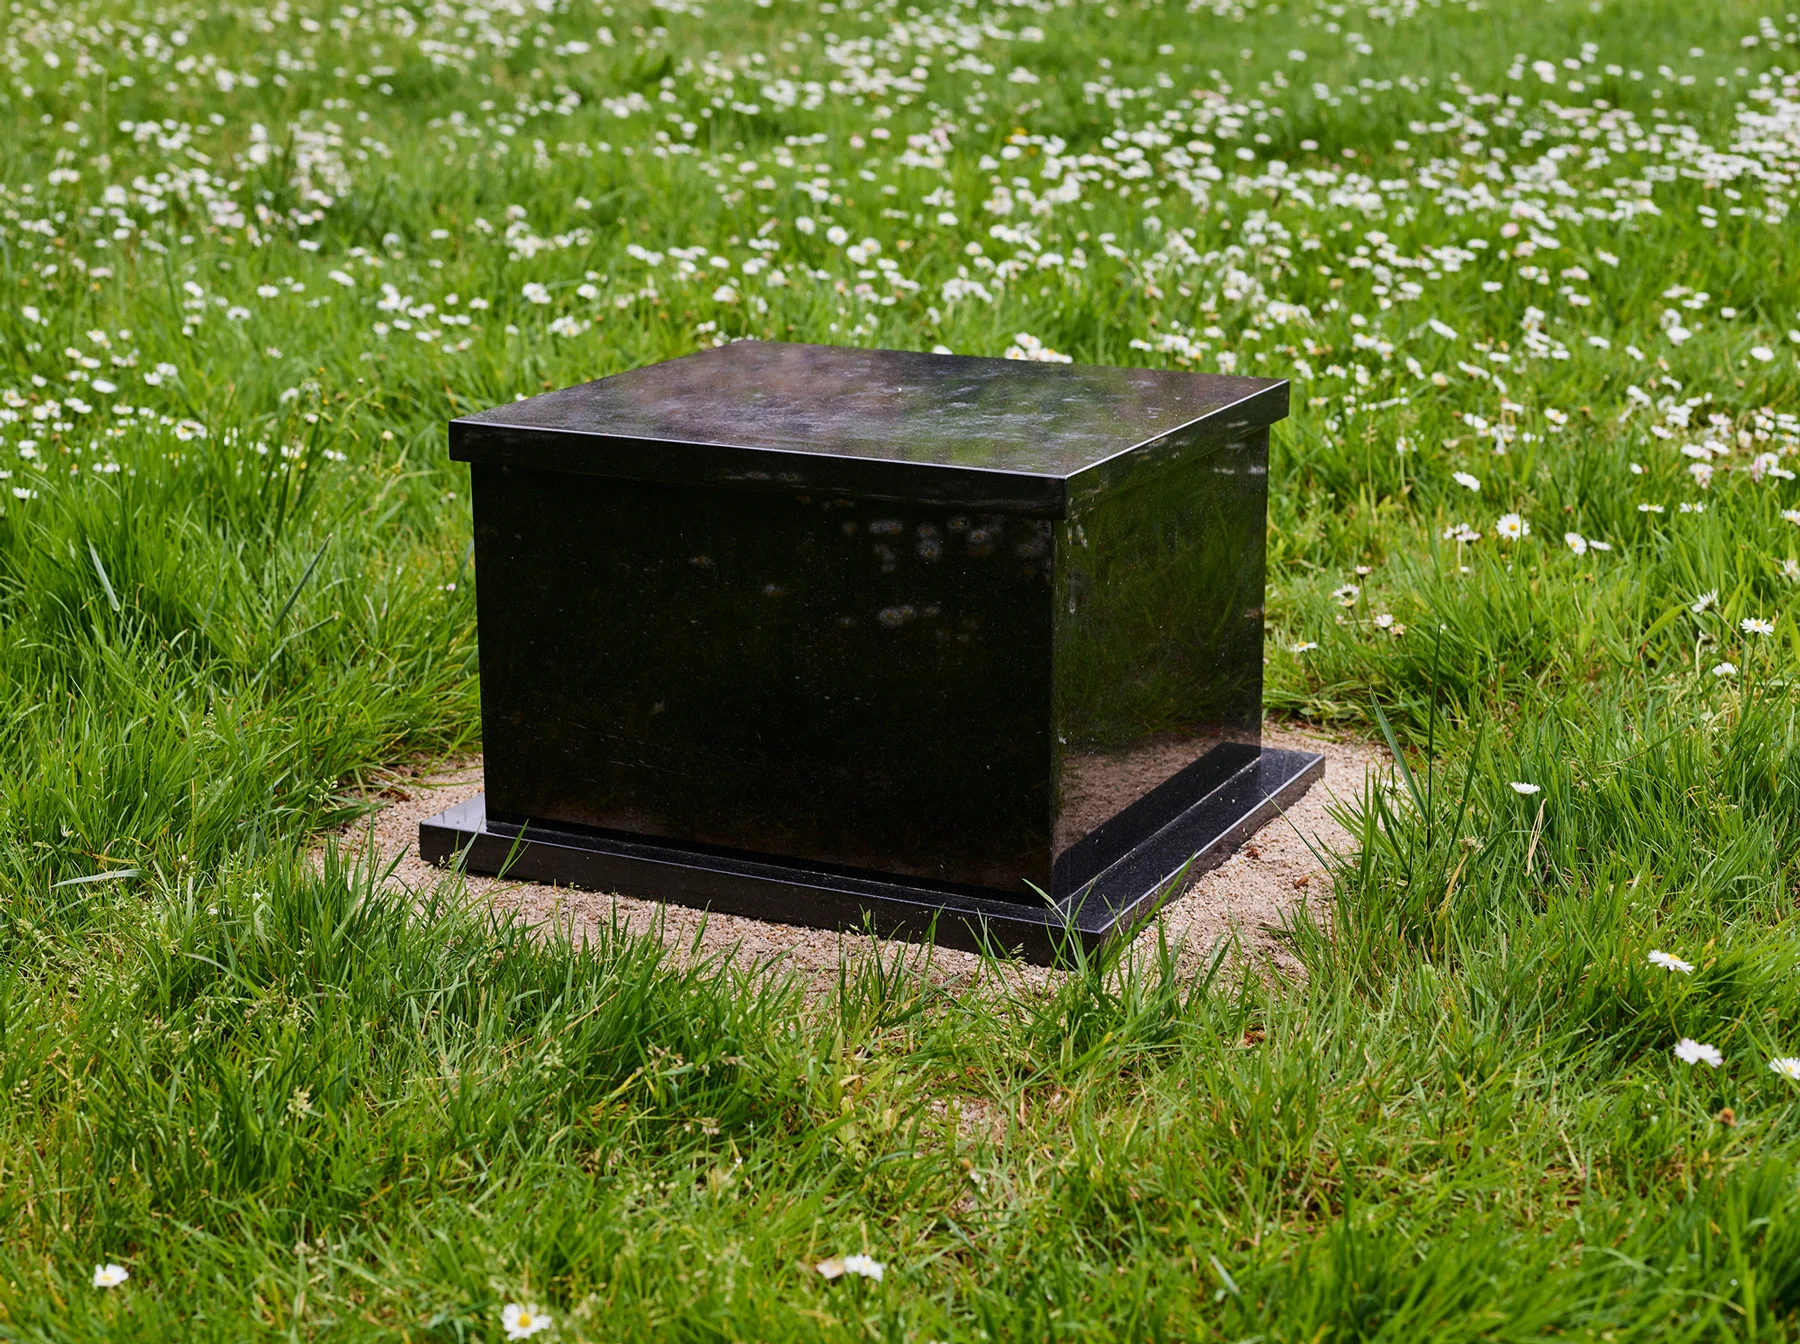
(1248, 896)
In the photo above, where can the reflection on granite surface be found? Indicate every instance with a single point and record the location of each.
(1158, 637)
(996, 414)
(1098, 785)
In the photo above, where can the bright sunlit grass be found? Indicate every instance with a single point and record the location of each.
(1531, 269)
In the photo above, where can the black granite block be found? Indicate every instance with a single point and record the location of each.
(966, 630)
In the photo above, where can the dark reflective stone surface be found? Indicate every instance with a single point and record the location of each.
(851, 682)
(1158, 661)
(1005, 434)
(995, 662)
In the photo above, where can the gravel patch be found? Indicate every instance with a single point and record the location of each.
(1239, 907)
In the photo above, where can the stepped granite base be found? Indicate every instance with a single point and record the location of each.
(1197, 839)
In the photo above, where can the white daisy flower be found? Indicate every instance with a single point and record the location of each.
(1670, 962)
(522, 1322)
(838, 1266)
(865, 1266)
(1690, 1051)
(110, 1276)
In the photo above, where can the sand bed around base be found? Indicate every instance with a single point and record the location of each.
(1239, 906)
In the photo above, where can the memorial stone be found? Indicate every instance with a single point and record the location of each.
(851, 638)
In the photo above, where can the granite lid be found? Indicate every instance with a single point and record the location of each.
(997, 433)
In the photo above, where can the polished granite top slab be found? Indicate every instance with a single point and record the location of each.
(885, 423)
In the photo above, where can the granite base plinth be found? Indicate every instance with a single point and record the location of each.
(1115, 902)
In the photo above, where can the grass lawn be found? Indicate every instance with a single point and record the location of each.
(1532, 268)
